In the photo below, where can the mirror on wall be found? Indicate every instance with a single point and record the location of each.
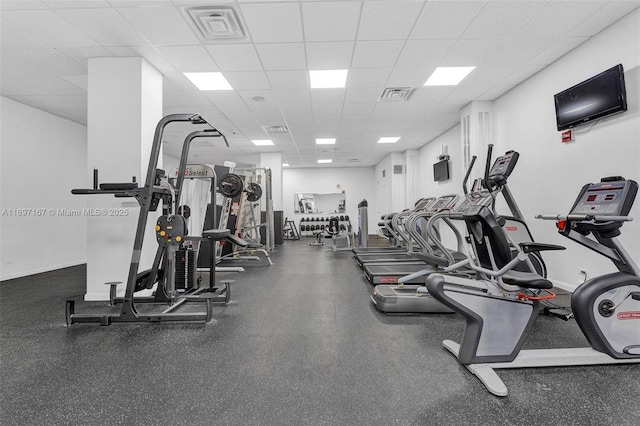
(312, 203)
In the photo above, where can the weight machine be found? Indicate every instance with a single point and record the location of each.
(171, 233)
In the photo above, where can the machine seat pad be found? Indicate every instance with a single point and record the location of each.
(216, 234)
(237, 241)
(254, 245)
(526, 280)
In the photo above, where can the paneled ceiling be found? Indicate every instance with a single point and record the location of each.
(45, 46)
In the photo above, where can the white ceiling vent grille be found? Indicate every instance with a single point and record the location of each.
(392, 94)
(215, 24)
(354, 160)
(276, 129)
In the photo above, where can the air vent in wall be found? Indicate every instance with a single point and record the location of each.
(392, 94)
(214, 24)
(397, 169)
(276, 129)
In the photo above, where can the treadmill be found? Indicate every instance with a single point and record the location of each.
(389, 232)
(445, 202)
(415, 298)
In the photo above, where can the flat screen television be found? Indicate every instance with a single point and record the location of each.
(599, 96)
(441, 171)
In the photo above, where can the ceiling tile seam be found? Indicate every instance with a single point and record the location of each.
(353, 50)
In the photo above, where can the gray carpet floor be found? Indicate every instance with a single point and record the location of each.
(299, 344)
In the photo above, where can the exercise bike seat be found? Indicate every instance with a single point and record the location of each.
(216, 234)
(526, 280)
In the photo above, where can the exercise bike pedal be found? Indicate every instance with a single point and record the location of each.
(549, 311)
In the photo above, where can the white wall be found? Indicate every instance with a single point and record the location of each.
(357, 182)
(43, 158)
(429, 155)
(549, 173)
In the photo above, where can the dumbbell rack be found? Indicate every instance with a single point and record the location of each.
(319, 223)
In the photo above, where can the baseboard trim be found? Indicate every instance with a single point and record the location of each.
(41, 270)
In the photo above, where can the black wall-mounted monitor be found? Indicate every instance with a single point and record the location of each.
(441, 171)
(599, 96)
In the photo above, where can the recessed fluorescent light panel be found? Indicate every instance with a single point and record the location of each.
(324, 161)
(388, 140)
(326, 141)
(448, 76)
(209, 80)
(262, 142)
(328, 79)
(285, 164)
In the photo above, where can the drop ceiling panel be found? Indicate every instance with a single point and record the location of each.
(521, 74)
(14, 38)
(407, 77)
(326, 109)
(61, 101)
(557, 18)
(470, 52)
(557, 50)
(288, 80)
(248, 80)
(235, 57)
(80, 55)
(445, 20)
(327, 96)
(189, 58)
(48, 27)
(519, 51)
(161, 26)
(500, 19)
(72, 4)
(268, 98)
(282, 56)
(342, 17)
(597, 22)
(21, 5)
(329, 56)
(487, 75)
(376, 54)
(293, 97)
(362, 95)
(107, 27)
(274, 22)
(79, 81)
(368, 77)
(377, 17)
(423, 53)
(43, 85)
(223, 97)
(150, 54)
(51, 62)
(14, 66)
(357, 108)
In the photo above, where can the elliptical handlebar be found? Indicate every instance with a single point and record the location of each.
(466, 176)
(487, 167)
(585, 217)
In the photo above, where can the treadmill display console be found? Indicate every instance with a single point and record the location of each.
(606, 198)
(504, 165)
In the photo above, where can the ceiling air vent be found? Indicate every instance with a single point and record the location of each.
(397, 94)
(276, 129)
(215, 24)
(354, 160)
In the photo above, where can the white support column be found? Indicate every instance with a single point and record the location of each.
(477, 133)
(412, 175)
(125, 104)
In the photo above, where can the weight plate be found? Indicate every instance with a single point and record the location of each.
(230, 185)
(254, 193)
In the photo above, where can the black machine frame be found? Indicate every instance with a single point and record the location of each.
(155, 190)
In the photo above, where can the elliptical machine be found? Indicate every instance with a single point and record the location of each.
(500, 310)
